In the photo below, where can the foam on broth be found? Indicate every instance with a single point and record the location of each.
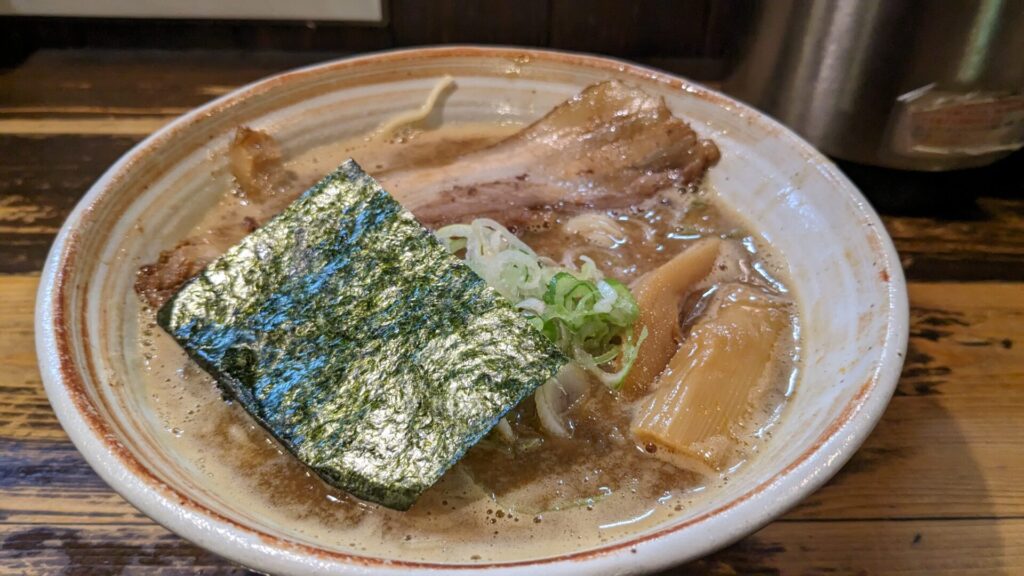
(537, 497)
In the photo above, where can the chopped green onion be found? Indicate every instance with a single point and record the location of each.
(590, 317)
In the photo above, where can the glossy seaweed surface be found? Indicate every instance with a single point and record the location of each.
(359, 341)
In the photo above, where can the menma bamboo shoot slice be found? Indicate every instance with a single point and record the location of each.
(711, 385)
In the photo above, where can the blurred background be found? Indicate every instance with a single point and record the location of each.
(922, 85)
(686, 36)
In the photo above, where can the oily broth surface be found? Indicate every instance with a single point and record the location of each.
(537, 497)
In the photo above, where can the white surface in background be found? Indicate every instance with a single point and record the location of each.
(349, 10)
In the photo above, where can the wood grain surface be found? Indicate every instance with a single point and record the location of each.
(683, 32)
(938, 488)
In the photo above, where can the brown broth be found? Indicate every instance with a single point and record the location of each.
(535, 497)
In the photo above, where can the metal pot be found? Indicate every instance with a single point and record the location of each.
(913, 84)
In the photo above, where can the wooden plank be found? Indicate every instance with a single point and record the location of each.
(631, 29)
(963, 336)
(981, 547)
(987, 246)
(100, 549)
(932, 458)
(964, 224)
(110, 84)
(151, 87)
(45, 482)
(507, 22)
(25, 412)
(926, 547)
(952, 441)
(950, 445)
(655, 27)
(41, 180)
(25, 34)
(139, 126)
(91, 82)
(44, 175)
(949, 448)
(43, 478)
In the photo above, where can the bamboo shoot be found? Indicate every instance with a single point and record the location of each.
(710, 386)
(659, 294)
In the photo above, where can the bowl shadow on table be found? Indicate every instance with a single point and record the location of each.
(885, 511)
(950, 195)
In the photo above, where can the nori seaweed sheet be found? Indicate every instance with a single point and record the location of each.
(353, 335)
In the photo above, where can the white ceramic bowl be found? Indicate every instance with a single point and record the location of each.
(843, 265)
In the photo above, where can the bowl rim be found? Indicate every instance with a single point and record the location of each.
(178, 512)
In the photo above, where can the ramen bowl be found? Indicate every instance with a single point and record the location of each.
(837, 255)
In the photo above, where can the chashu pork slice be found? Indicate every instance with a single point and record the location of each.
(611, 146)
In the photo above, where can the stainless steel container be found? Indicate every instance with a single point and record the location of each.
(914, 84)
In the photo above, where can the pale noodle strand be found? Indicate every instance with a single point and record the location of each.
(419, 114)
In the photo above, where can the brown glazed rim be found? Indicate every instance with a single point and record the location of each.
(75, 385)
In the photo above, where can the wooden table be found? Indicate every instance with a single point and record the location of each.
(937, 489)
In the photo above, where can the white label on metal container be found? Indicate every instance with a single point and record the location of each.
(930, 121)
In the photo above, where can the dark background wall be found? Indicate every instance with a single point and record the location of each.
(691, 36)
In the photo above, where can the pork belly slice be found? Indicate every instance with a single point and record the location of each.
(609, 147)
